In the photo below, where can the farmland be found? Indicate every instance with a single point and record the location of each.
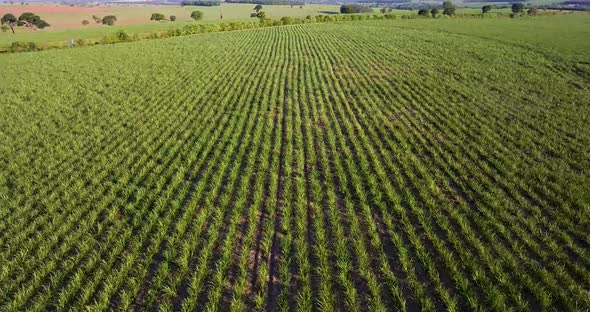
(66, 21)
(69, 17)
(368, 165)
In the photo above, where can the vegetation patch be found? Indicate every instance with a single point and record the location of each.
(371, 165)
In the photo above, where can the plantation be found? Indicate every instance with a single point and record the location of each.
(365, 165)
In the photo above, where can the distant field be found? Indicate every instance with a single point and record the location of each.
(507, 4)
(66, 20)
(386, 165)
(70, 17)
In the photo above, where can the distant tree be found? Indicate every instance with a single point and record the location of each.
(354, 8)
(197, 15)
(261, 15)
(97, 19)
(85, 22)
(383, 10)
(10, 20)
(29, 19)
(109, 20)
(517, 8)
(157, 17)
(448, 8)
(486, 8)
(42, 24)
(532, 11)
(268, 2)
(346, 9)
(254, 15)
(423, 12)
(200, 3)
(258, 8)
(434, 12)
(173, 18)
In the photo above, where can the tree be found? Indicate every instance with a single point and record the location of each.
(173, 18)
(448, 8)
(10, 20)
(157, 17)
(486, 8)
(532, 11)
(85, 22)
(27, 19)
(109, 20)
(258, 8)
(97, 19)
(200, 3)
(517, 8)
(197, 15)
(434, 12)
(354, 8)
(423, 12)
(254, 15)
(384, 10)
(261, 15)
(31, 20)
(42, 24)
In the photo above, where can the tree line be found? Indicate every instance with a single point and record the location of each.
(268, 2)
(449, 9)
(199, 3)
(355, 8)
